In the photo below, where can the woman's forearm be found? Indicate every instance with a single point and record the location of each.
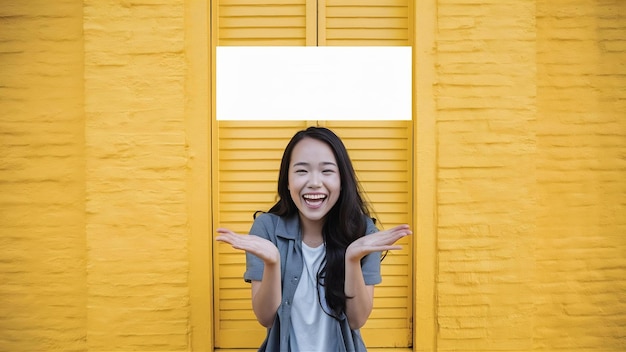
(360, 297)
(266, 295)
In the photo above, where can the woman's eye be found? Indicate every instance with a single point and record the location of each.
(300, 171)
(328, 171)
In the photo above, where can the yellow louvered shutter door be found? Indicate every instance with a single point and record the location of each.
(247, 161)
(381, 154)
(247, 157)
(261, 22)
(364, 22)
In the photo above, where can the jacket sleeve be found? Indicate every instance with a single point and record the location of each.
(254, 266)
(370, 264)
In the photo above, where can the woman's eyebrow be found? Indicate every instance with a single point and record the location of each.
(323, 163)
(301, 163)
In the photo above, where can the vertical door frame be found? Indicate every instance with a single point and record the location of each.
(425, 176)
(198, 121)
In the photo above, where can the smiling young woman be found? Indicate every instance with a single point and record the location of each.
(313, 259)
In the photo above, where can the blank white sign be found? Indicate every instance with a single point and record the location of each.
(313, 83)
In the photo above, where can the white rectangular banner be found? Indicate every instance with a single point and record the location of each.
(314, 83)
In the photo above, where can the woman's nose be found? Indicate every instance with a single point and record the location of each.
(315, 180)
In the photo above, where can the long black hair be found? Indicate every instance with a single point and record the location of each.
(344, 223)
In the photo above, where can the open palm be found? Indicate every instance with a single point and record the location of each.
(260, 247)
(377, 242)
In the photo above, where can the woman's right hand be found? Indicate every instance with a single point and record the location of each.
(260, 247)
(266, 294)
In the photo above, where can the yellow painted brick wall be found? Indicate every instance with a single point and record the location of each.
(43, 283)
(96, 202)
(580, 243)
(531, 138)
(136, 160)
(95, 172)
(486, 188)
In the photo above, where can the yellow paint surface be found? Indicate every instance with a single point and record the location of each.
(106, 182)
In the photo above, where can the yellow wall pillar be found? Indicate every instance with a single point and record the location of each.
(485, 97)
(580, 256)
(424, 176)
(137, 182)
(43, 288)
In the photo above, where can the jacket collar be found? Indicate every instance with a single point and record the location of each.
(288, 228)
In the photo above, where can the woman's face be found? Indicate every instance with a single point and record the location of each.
(314, 180)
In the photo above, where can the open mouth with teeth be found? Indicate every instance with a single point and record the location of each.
(314, 199)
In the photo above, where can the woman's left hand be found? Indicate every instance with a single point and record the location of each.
(377, 242)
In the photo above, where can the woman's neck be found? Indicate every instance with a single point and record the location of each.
(312, 232)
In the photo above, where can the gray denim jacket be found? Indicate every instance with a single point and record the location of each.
(285, 234)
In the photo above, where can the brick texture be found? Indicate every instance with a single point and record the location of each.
(531, 170)
(43, 291)
(136, 159)
(486, 146)
(580, 254)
